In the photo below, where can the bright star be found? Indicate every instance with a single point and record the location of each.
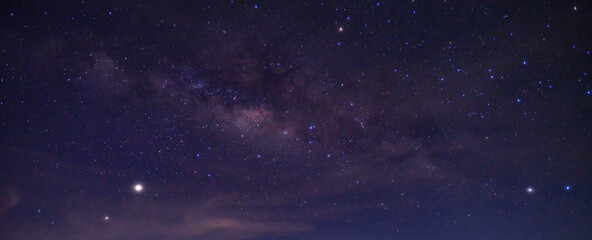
(567, 188)
(106, 218)
(530, 190)
(340, 29)
(138, 188)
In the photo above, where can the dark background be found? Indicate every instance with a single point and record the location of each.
(295, 120)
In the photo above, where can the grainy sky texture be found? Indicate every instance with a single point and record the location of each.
(290, 120)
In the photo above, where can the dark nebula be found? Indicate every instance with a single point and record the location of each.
(179, 120)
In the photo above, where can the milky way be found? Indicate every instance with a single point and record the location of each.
(295, 120)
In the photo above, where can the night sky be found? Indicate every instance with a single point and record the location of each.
(293, 120)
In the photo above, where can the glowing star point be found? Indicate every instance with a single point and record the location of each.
(530, 190)
(138, 188)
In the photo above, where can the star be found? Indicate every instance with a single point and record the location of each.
(340, 29)
(138, 188)
(106, 218)
(529, 190)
